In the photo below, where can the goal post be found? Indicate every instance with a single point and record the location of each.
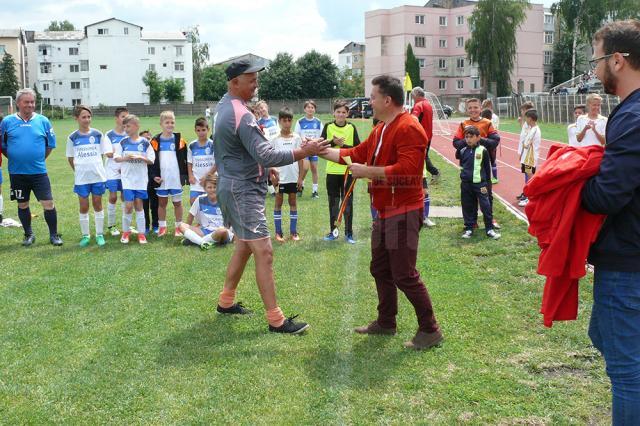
(6, 105)
(440, 119)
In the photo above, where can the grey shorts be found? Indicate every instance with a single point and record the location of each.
(242, 205)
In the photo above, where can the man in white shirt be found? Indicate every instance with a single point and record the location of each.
(591, 127)
(572, 129)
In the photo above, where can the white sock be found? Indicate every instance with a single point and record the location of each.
(208, 238)
(84, 223)
(193, 236)
(111, 215)
(1, 204)
(315, 187)
(98, 217)
(272, 190)
(178, 225)
(140, 223)
(126, 221)
(162, 223)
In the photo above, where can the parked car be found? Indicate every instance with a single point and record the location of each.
(360, 108)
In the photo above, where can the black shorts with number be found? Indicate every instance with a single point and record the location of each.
(288, 188)
(22, 185)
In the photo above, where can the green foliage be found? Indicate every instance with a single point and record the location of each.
(492, 44)
(60, 26)
(155, 85)
(562, 58)
(38, 96)
(173, 90)
(412, 66)
(212, 83)
(318, 75)
(281, 79)
(199, 57)
(351, 84)
(8, 80)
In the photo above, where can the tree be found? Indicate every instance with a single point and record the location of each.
(212, 83)
(412, 66)
(173, 90)
(60, 26)
(281, 79)
(199, 58)
(38, 96)
(492, 44)
(8, 80)
(318, 75)
(351, 85)
(564, 64)
(154, 83)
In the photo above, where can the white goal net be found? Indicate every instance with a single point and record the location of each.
(6, 105)
(440, 119)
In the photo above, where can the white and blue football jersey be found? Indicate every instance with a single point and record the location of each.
(134, 173)
(86, 151)
(207, 213)
(113, 168)
(308, 128)
(269, 127)
(201, 159)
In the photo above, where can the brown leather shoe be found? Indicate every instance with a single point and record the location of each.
(374, 328)
(424, 340)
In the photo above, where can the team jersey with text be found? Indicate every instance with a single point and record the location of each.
(25, 143)
(86, 149)
(113, 168)
(269, 127)
(309, 128)
(290, 172)
(201, 159)
(207, 213)
(169, 170)
(134, 173)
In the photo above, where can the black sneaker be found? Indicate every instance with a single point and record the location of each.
(29, 240)
(1, 218)
(315, 195)
(290, 327)
(520, 197)
(235, 309)
(56, 239)
(186, 242)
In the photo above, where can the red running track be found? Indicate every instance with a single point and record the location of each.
(511, 179)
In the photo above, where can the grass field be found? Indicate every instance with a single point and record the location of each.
(552, 131)
(129, 335)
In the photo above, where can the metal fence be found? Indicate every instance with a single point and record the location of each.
(551, 108)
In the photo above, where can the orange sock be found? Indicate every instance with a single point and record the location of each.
(275, 317)
(226, 298)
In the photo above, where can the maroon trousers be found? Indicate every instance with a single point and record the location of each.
(394, 248)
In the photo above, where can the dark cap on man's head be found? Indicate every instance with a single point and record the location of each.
(241, 67)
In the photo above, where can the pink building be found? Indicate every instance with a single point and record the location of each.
(437, 33)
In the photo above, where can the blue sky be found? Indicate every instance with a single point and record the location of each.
(231, 27)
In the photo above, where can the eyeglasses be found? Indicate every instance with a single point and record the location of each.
(593, 63)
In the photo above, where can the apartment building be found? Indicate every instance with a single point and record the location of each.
(437, 33)
(13, 42)
(104, 63)
(351, 57)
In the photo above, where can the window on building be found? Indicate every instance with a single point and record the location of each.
(442, 64)
(75, 84)
(532, 88)
(460, 20)
(103, 67)
(85, 83)
(152, 67)
(356, 59)
(178, 66)
(460, 41)
(420, 19)
(73, 51)
(178, 50)
(459, 84)
(151, 50)
(60, 83)
(75, 102)
(443, 21)
(460, 63)
(126, 30)
(442, 84)
(59, 65)
(548, 56)
(348, 60)
(103, 31)
(548, 78)
(45, 87)
(74, 68)
(164, 47)
(442, 43)
(84, 65)
(548, 37)
(46, 101)
(164, 65)
(420, 41)
(476, 83)
(45, 67)
(421, 62)
(43, 50)
(548, 18)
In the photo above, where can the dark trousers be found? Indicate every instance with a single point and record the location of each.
(433, 170)
(472, 194)
(336, 190)
(394, 248)
(150, 205)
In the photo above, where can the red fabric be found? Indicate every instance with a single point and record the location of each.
(424, 109)
(564, 230)
(402, 154)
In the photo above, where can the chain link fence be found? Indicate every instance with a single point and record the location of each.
(551, 108)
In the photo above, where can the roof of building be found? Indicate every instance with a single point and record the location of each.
(111, 19)
(9, 33)
(449, 4)
(353, 47)
(58, 35)
(167, 35)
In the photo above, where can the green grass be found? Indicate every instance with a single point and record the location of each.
(552, 131)
(129, 334)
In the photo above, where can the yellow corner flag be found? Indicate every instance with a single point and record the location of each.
(407, 83)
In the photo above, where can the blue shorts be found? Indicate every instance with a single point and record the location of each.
(132, 194)
(313, 158)
(83, 191)
(195, 194)
(114, 185)
(168, 192)
(0, 175)
(23, 185)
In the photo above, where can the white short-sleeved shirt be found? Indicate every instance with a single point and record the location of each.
(309, 128)
(169, 170)
(113, 168)
(590, 137)
(207, 213)
(134, 174)
(572, 132)
(495, 121)
(86, 149)
(289, 173)
(202, 160)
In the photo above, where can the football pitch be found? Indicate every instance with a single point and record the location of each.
(129, 334)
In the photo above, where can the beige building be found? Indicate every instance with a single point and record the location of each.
(351, 57)
(13, 42)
